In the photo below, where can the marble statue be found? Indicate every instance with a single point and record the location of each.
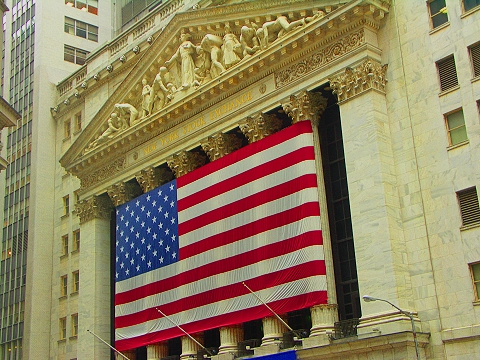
(232, 49)
(127, 111)
(184, 56)
(212, 57)
(249, 40)
(146, 89)
(272, 30)
(161, 92)
(115, 125)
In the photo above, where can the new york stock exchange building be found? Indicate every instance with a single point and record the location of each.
(246, 174)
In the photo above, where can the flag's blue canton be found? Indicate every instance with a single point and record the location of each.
(147, 232)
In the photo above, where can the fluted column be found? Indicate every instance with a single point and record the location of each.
(122, 192)
(308, 106)
(273, 330)
(157, 351)
(184, 162)
(230, 336)
(260, 126)
(219, 145)
(152, 178)
(94, 266)
(129, 354)
(190, 347)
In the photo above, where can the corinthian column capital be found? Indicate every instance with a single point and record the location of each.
(259, 126)
(184, 162)
(122, 192)
(151, 178)
(368, 75)
(95, 207)
(219, 145)
(305, 106)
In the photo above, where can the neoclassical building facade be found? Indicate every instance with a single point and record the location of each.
(191, 83)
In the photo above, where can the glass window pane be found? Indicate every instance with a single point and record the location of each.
(458, 135)
(439, 19)
(470, 4)
(69, 25)
(436, 6)
(455, 120)
(81, 29)
(476, 272)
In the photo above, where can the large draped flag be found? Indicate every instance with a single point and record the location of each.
(187, 247)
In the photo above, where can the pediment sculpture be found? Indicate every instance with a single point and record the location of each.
(193, 65)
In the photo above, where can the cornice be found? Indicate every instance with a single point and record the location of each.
(333, 35)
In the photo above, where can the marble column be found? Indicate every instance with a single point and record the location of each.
(273, 330)
(190, 347)
(157, 351)
(309, 106)
(260, 126)
(94, 267)
(184, 162)
(152, 178)
(230, 336)
(380, 245)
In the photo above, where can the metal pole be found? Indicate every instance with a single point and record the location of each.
(190, 336)
(273, 312)
(111, 347)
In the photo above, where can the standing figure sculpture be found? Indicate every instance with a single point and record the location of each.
(232, 49)
(161, 92)
(212, 55)
(249, 40)
(146, 89)
(272, 30)
(184, 56)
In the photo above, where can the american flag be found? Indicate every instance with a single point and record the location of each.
(187, 247)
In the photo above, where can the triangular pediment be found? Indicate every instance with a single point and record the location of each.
(201, 57)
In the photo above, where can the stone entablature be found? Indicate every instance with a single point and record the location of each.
(203, 103)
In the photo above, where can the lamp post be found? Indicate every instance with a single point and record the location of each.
(367, 298)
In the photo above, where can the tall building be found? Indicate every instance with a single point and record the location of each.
(357, 119)
(44, 42)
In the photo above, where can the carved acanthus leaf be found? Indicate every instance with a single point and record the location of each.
(123, 192)
(152, 178)
(368, 75)
(95, 207)
(259, 126)
(305, 106)
(104, 173)
(219, 145)
(184, 162)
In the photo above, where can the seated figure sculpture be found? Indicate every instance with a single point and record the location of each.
(272, 30)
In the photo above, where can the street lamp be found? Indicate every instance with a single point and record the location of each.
(367, 298)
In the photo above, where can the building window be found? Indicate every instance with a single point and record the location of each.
(438, 12)
(81, 29)
(76, 281)
(62, 328)
(74, 324)
(470, 4)
(447, 73)
(66, 205)
(63, 285)
(474, 51)
(76, 240)
(455, 123)
(66, 129)
(475, 272)
(78, 121)
(469, 208)
(64, 245)
(74, 55)
(85, 5)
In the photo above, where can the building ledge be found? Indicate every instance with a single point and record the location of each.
(8, 115)
(463, 333)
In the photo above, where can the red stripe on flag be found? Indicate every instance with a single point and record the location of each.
(250, 229)
(302, 127)
(265, 281)
(246, 177)
(257, 312)
(249, 202)
(221, 266)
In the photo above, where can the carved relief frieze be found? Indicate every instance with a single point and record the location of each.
(368, 75)
(260, 126)
(104, 173)
(320, 58)
(95, 207)
(305, 106)
(122, 192)
(153, 177)
(219, 145)
(184, 162)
